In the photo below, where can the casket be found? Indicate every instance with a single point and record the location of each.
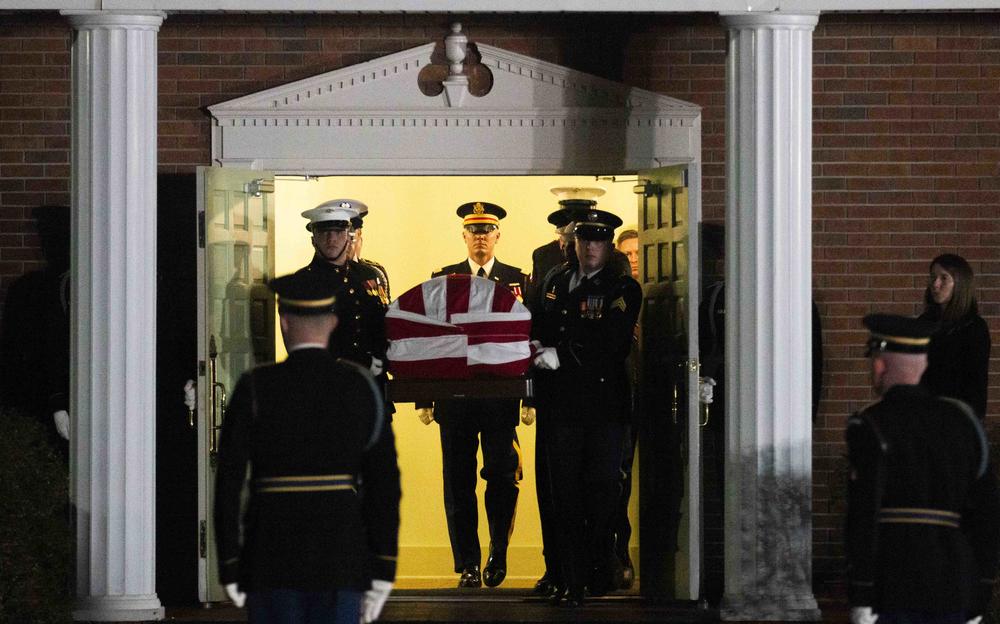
(458, 327)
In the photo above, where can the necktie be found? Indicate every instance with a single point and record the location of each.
(481, 272)
(584, 281)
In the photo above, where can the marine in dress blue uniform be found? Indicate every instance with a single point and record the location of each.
(465, 423)
(585, 323)
(923, 516)
(319, 538)
(363, 296)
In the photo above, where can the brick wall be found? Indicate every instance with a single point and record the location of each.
(906, 144)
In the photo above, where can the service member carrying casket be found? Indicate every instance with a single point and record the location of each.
(923, 515)
(363, 297)
(319, 539)
(584, 323)
(464, 423)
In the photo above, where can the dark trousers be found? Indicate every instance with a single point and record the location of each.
(584, 464)
(501, 470)
(293, 606)
(543, 490)
(621, 528)
(921, 617)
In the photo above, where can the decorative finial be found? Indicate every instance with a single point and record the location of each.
(455, 48)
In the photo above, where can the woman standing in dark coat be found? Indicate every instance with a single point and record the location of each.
(959, 356)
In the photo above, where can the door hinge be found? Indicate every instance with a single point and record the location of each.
(202, 539)
(201, 368)
(201, 229)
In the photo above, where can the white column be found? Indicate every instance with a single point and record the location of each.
(113, 352)
(768, 500)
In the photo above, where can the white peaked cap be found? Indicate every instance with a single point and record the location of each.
(334, 210)
(577, 192)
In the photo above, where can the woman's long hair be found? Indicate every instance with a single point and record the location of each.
(963, 298)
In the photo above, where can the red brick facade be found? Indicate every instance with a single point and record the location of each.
(906, 144)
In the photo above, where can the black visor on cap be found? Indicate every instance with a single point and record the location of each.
(594, 232)
(326, 226)
(481, 228)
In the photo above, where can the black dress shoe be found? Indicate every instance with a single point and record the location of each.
(470, 578)
(544, 586)
(557, 596)
(495, 570)
(573, 599)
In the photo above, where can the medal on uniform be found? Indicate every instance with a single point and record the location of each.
(382, 295)
(591, 307)
(516, 289)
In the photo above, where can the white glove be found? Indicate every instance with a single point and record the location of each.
(536, 344)
(975, 620)
(189, 397)
(61, 419)
(705, 389)
(426, 415)
(374, 600)
(377, 366)
(527, 415)
(863, 615)
(239, 598)
(547, 358)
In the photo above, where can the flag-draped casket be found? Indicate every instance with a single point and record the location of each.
(458, 326)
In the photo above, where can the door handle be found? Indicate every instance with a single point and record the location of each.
(217, 400)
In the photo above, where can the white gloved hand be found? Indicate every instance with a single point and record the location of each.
(374, 600)
(61, 418)
(377, 366)
(239, 598)
(527, 415)
(189, 396)
(426, 415)
(863, 615)
(536, 344)
(547, 358)
(705, 389)
(975, 620)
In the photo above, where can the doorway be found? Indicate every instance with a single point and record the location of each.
(412, 230)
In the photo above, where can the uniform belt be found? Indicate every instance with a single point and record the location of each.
(919, 515)
(305, 483)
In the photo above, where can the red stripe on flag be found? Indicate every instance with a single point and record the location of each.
(458, 294)
(413, 301)
(436, 368)
(507, 369)
(503, 298)
(397, 329)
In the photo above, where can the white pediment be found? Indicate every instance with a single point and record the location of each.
(537, 117)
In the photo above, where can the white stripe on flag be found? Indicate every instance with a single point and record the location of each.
(480, 295)
(414, 317)
(498, 352)
(489, 317)
(435, 299)
(416, 349)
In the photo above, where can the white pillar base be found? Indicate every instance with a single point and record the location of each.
(118, 609)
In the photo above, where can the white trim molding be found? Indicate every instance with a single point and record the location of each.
(113, 349)
(538, 118)
(768, 498)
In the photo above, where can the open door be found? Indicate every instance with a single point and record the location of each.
(669, 436)
(235, 319)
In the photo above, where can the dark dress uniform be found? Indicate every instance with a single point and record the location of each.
(923, 518)
(586, 406)
(312, 431)
(463, 424)
(362, 302)
(958, 360)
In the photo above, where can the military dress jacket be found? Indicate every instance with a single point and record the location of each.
(362, 302)
(592, 328)
(482, 414)
(923, 517)
(323, 510)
